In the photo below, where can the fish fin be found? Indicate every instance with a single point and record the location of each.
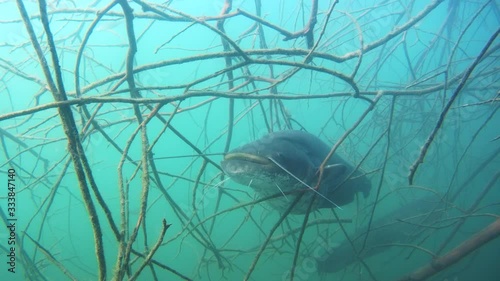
(332, 175)
(335, 170)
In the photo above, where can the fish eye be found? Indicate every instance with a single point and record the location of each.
(279, 156)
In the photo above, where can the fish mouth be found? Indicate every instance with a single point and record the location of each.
(255, 171)
(241, 156)
(243, 166)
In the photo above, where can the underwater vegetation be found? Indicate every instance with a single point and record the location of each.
(250, 140)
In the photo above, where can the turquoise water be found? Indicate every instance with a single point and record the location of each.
(384, 83)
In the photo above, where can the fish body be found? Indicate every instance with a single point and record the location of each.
(402, 225)
(288, 162)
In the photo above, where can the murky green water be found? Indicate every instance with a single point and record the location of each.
(115, 116)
